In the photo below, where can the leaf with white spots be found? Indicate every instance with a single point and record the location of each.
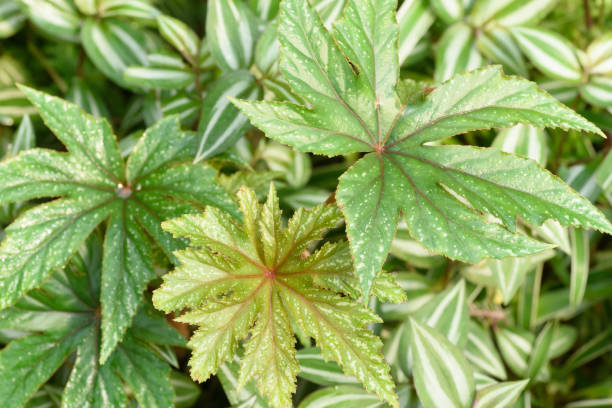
(442, 376)
(94, 185)
(443, 191)
(251, 280)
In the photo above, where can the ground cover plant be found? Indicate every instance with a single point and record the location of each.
(309, 203)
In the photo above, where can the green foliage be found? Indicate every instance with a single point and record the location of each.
(433, 230)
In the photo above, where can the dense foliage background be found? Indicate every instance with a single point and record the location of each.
(544, 317)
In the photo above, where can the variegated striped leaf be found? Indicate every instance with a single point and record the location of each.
(87, 7)
(265, 9)
(529, 298)
(418, 292)
(222, 124)
(541, 349)
(23, 139)
(553, 232)
(523, 12)
(447, 312)
(502, 395)
(566, 92)
(563, 340)
(414, 19)
(482, 380)
(186, 392)
(158, 77)
(139, 9)
(599, 55)
(598, 91)
(421, 51)
(603, 176)
(166, 60)
(11, 18)
(580, 259)
(342, 396)
(307, 197)
(498, 46)
(515, 346)
(391, 351)
(592, 403)
(481, 352)
(232, 32)
(245, 396)
(82, 94)
(113, 45)
(58, 18)
(510, 273)
(600, 344)
(524, 140)
(315, 369)
(267, 50)
(182, 38)
(442, 376)
(13, 104)
(329, 10)
(408, 250)
(450, 11)
(551, 53)
(294, 165)
(457, 52)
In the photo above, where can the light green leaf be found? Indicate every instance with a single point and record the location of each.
(221, 123)
(57, 18)
(541, 349)
(599, 55)
(481, 352)
(180, 36)
(592, 403)
(261, 281)
(511, 12)
(316, 370)
(579, 265)
(442, 376)
(11, 18)
(137, 9)
(414, 19)
(440, 189)
(231, 31)
(96, 185)
(450, 11)
(162, 78)
(457, 52)
(549, 52)
(498, 46)
(529, 299)
(598, 91)
(341, 396)
(113, 45)
(502, 395)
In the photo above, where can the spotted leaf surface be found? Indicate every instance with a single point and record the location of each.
(61, 318)
(348, 80)
(92, 184)
(251, 280)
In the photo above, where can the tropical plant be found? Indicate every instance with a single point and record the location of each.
(337, 203)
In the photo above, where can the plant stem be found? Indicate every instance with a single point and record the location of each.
(587, 14)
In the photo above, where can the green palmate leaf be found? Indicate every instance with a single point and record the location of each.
(442, 376)
(442, 190)
(96, 185)
(501, 395)
(232, 32)
(63, 318)
(252, 280)
(221, 123)
(113, 45)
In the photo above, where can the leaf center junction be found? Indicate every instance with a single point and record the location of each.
(123, 191)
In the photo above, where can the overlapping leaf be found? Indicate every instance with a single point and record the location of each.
(442, 190)
(251, 280)
(95, 185)
(63, 317)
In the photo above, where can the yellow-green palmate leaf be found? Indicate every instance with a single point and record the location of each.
(349, 81)
(92, 184)
(249, 281)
